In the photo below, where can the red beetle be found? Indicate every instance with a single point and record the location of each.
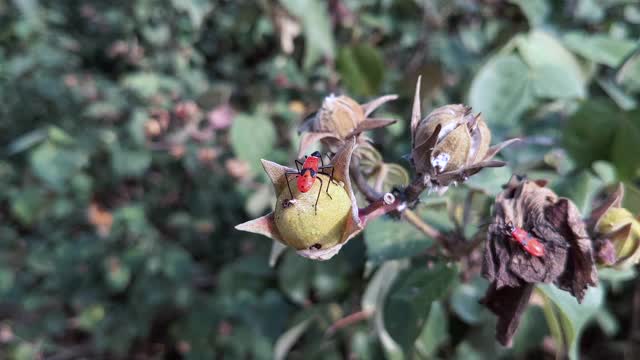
(529, 242)
(307, 176)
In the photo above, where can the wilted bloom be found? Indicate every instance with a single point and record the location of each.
(221, 116)
(340, 118)
(316, 233)
(186, 110)
(513, 271)
(450, 144)
(617, 232)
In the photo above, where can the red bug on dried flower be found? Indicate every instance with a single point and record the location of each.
(529, 242)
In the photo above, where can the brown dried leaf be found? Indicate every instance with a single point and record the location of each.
(372, 105)
(508, 303)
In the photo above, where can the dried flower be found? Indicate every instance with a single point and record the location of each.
(100, 218)
(450, 144)
(340, 118)
(617, 232)
(152, 128)
(221, 117)
(237, 168)
(568, 256)
(316, 233)
(186, 110)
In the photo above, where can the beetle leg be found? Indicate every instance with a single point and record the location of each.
(287, 178)
(318, 198)
(330, 176)
(298, 164)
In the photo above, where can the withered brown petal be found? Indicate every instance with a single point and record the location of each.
(497, 255)
(605, 251)
(309, 138)
(495, 149)
(422, 152)
(613, 200)
(508, 303)
(416, 112)
(461, 175)
(372, 105)
(580, 271)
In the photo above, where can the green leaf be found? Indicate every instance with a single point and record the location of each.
(317, 28)
(629, 74)
(361, 68)
(287, 340)
(148, 84)
(197, 9)
(435, 331)
(624, 153)
(581, 188)
(631, 198)
(569, 317)
(536, 11)
(552, 66)
(388, 239)
(252, 138)
(409, 302)
(490, 181)
(130, 162)
(553, 82)
(589, 133)
(465, 301)
(599, 48)
(55, 164)
(501, 90)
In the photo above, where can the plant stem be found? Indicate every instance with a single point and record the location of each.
(415, 220)
(361, 183)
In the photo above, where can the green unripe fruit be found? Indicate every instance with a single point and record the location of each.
(301, 226)
(627, 247)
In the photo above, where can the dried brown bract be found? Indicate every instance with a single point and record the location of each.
(340, 118)
(450, 144)
(568, 259)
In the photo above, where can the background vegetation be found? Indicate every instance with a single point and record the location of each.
(130, 139)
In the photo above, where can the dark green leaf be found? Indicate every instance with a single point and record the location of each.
(361, 68)
(563, 309)
(409, 301)
(252, 138)
(600, 48)
(502, 90)
(388, 239)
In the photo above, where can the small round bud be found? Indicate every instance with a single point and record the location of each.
(302, 226)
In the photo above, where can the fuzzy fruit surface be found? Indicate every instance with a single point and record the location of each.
(298, 223)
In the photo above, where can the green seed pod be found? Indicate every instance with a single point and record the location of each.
(450, 144)
(316, 233)
(302, 226)
(623, 230)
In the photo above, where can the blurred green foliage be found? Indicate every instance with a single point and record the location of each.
(130, 139)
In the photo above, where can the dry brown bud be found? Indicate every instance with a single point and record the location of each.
(340, 118)
(557, 225)
(450, 144)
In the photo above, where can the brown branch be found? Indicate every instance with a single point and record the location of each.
(348, 320)
(415, 220)
(361, 183)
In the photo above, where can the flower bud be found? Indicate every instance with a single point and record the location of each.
(316, 227)
(618, 226)
(451, 143)
(302, 225)
(339, 118)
